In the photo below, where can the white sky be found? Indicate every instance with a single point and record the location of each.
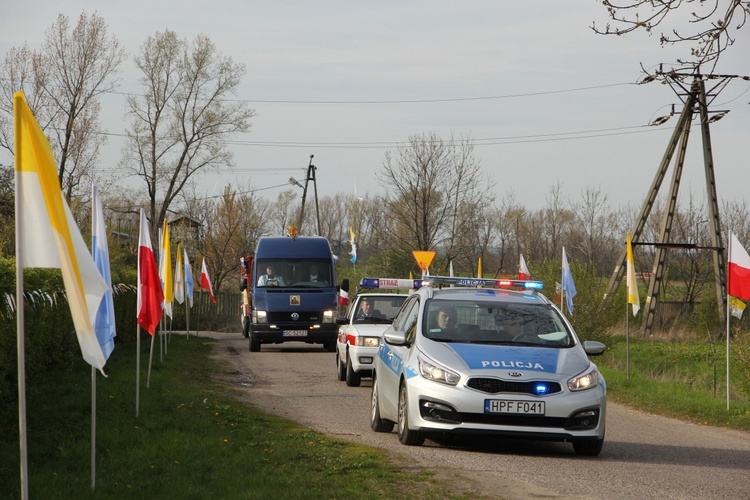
(347, 59)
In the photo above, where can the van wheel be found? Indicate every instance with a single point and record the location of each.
(254, 344)
(246, 327)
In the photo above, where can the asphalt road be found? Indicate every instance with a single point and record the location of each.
(644, 456)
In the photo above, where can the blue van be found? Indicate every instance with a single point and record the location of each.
(294, 292)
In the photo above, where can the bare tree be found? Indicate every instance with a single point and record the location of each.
(180, 125)
(430, 180)
(711, 27)
(64, 82)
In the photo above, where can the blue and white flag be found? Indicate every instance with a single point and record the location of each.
(104, 323)
(188, 279)
(568, 287)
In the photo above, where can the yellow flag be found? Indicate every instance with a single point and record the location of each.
(166, 270)
(47, 233)
(736, 306)
(633, 297)
(479, 268)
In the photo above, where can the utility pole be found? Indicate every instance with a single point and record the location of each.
(310, 176)
(695, 100)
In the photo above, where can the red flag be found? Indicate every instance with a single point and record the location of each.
(738, 279)
(523, 271)
(206, 281)
(150, 293)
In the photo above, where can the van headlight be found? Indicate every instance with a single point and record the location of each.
(328, 316)
(586, 380)
(260, 316)
(435, 372)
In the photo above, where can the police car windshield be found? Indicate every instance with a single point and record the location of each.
(495, 323)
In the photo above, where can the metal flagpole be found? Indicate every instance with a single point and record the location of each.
(93, 428)
(627, 337)
(138, 369)
(729, 256)
(19, 305)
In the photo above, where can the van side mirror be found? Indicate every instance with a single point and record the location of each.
(345, 284)
(243, 284)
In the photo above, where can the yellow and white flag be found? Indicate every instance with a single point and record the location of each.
(165, 258)
(736, 306)
(48, 235)
(633, 297)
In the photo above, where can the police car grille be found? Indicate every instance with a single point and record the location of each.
(286, 316)
(495, 385)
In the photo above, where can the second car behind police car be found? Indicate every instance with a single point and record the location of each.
(360, 333)
(485, 360)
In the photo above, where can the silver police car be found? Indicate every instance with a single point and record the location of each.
(476, 360)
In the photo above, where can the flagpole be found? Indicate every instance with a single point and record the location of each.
(150, 359)
(17, 101)
(93, 428)
(627, 337)
(138, 369)
(729, 277)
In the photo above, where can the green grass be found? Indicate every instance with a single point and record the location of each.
(192, 439)
(685, 379)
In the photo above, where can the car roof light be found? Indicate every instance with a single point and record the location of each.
(483, 282)
(390, 283)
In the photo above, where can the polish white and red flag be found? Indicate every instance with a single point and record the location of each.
(206, 281)
(738, 270)
(523, 271)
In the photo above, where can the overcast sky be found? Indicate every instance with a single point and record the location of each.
(545, 99)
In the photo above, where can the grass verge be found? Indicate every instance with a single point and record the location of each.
(685, 380)
(191, 440)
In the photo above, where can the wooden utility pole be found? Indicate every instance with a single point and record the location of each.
(310, 176)
(695, 101)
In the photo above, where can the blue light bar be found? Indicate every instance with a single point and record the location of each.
(390, 283)
(483, 282)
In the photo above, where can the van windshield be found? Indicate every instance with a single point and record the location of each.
(314, 273)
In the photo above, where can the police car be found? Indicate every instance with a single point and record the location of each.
(473, 359)
(360, 333)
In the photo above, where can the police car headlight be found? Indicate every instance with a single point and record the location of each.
(368, 341)
(432, 371)
(328, 317)
(586, 380)
(260, 316)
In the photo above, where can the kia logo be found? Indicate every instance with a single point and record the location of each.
(515, 374)
(295, 316)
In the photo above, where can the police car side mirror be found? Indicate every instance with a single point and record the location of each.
(395, 337)
(593, 348)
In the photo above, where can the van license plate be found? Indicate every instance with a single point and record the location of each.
(294, 333)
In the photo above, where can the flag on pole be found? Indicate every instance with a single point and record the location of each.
(150, 293)
(165, 272)
(179, 278)
(450, 270)
(188, 280)
(206, 281)
(523, 271)
(47, 233)
(353, 260)
(568, 287)
(104, 323)
(633, 297)
(343, 298)
(738, 272)
(479, 268)
(736, 307)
